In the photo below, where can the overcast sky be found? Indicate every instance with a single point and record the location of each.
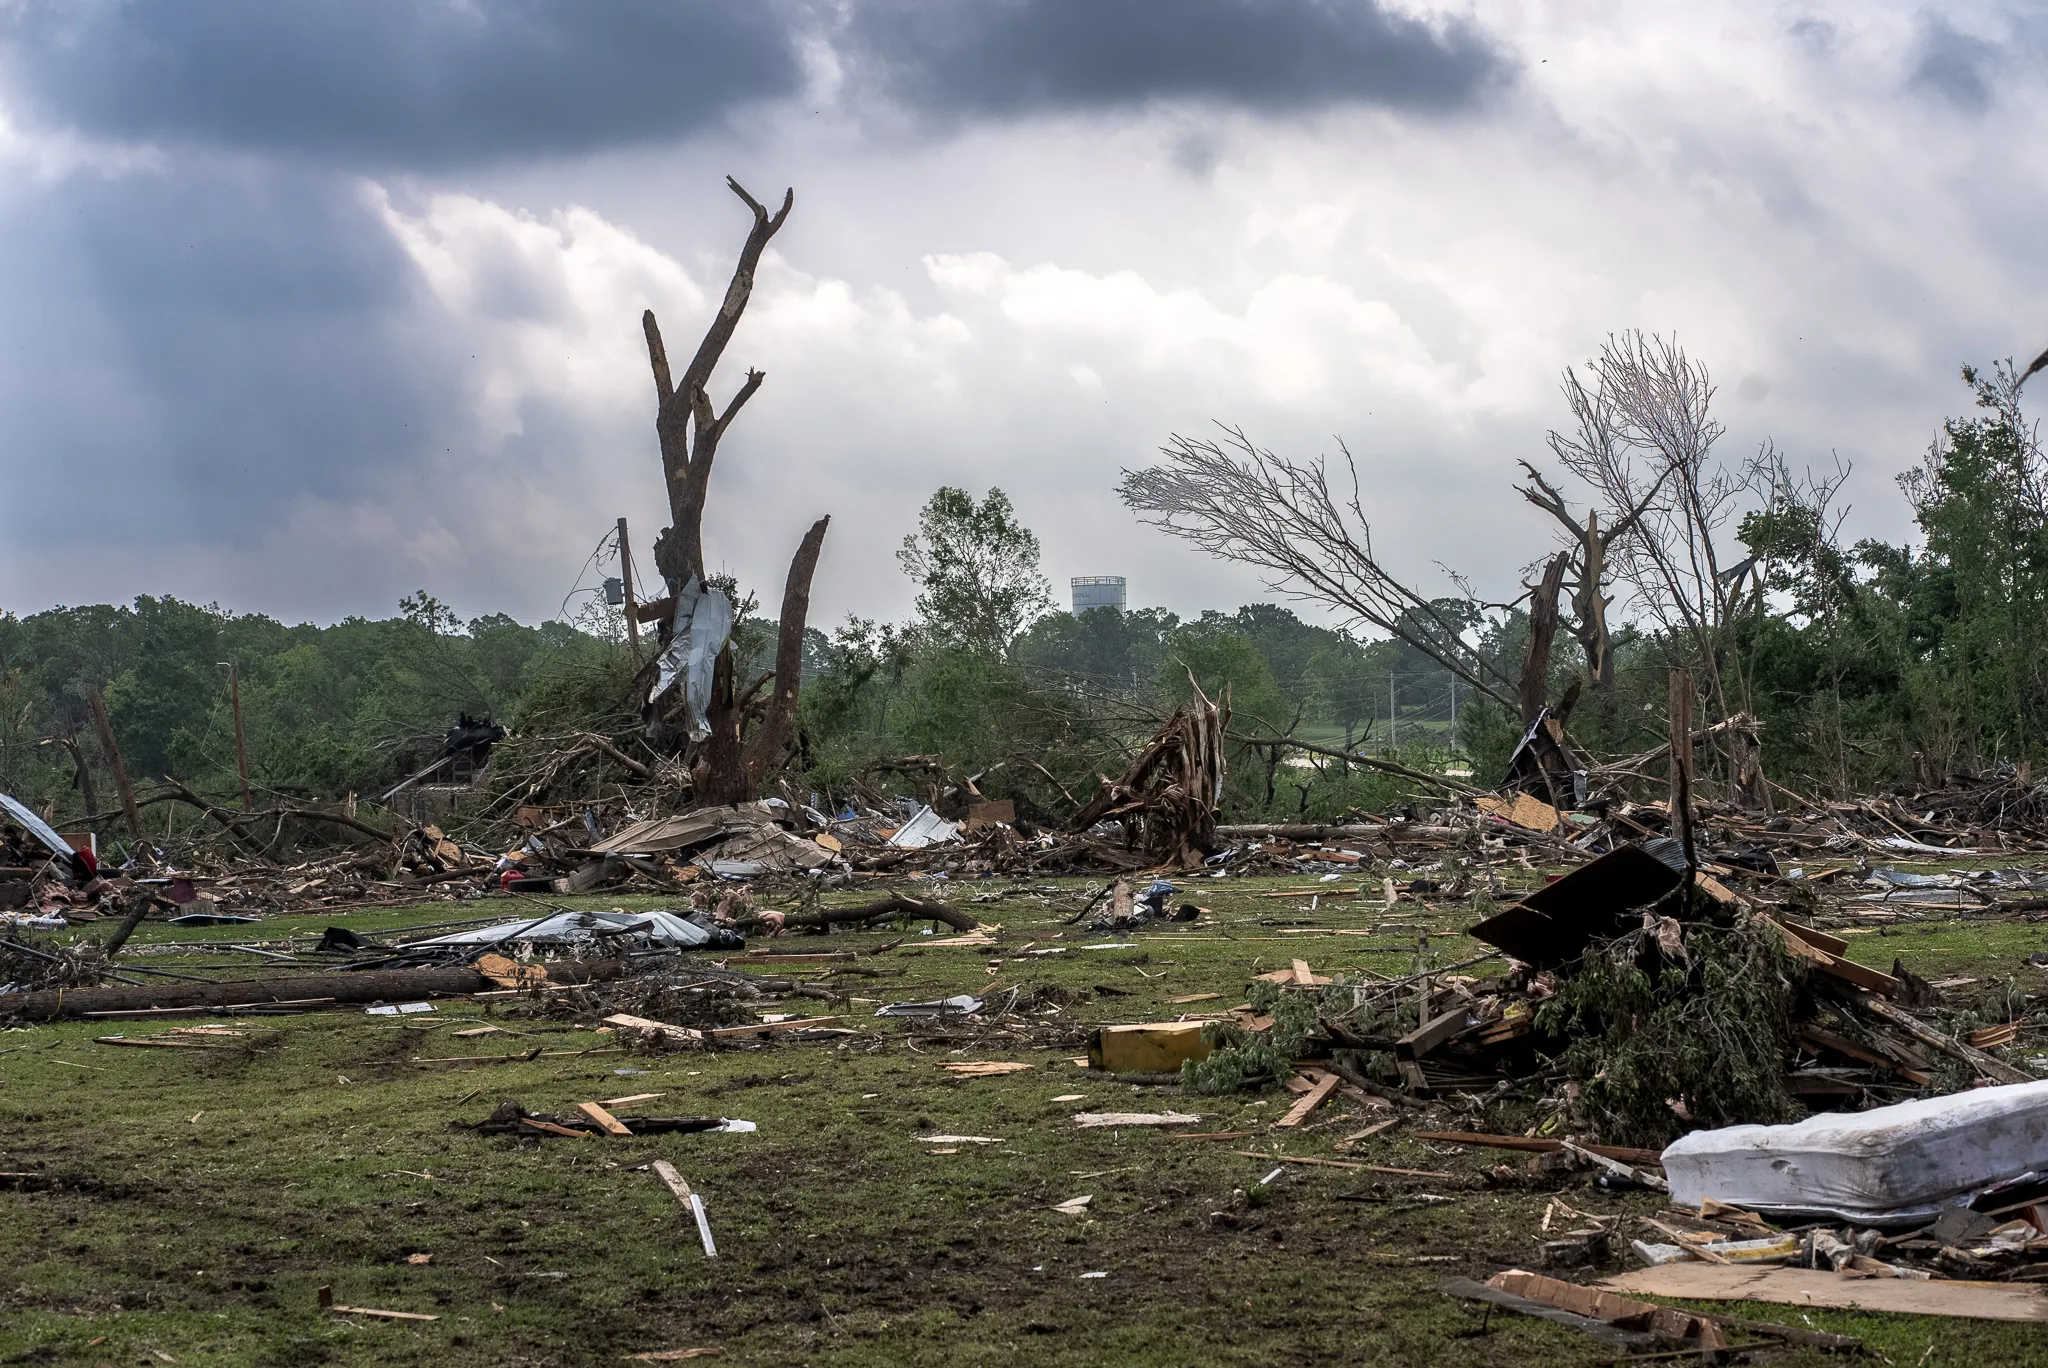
(306, 306)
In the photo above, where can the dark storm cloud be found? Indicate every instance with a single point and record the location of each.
(185, 357)
(1015, 56)
(1955, 66)
(395, 82)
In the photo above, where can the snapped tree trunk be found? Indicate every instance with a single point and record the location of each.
(726, 765)
(1535, 685)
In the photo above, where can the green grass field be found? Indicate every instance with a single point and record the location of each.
(186, 1206)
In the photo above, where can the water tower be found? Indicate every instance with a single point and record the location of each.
(1097, 591)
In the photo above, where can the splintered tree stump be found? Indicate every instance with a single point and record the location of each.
(729, 764)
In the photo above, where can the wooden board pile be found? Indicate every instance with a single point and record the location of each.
(1859, 1035)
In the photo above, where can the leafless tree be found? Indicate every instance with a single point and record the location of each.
(1595, 442)
(1240, 502)
(1645, 446)
(728, 764)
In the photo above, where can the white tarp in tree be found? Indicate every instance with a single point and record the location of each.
(702, 623)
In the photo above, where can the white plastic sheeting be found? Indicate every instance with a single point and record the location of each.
(925, 829)
(1896, 1165)
(34, 825)
(568, 928)
(702, 623)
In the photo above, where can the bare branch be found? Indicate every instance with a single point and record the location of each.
(1248, 505)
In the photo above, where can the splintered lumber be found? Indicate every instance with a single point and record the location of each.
(611, 1124)
(773, 1027)
(1309, 1101)
(1819, 1287)
(1428, 1036)
(1537, 1145)
(155, 1041)
(666, 1171)
(635, 1023)
(1818, 1037)
(1342, 1164)
(1596, 1304)
(1826, 954)
(388, 985)
(1616, 1167)
(552, 1129)
(1469, 1290)
(327, 1303)
(1984, 1064)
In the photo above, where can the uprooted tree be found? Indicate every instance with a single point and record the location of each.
(728, 732)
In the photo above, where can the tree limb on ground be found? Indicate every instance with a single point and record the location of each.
(1384, 766)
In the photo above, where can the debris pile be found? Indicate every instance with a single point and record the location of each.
(1633, 1005)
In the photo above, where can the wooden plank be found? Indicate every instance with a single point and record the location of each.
(1538, 1145)
(1304, 977)
(806, 957)
(612, 1125)
(1477, 1291)
(1340, 1163)
(1598, 1304)
(1818, 939)
(1213, 1135)
(325, 1297)
(773, 1027)
(1308, 1102)
(1374, 1129)
(552, 1129)
(516, 1058)
(666, 1171)
(660, 1027)
(1825, 1039)
(1849, 971)
(1506, 1029)
(152, 1041)
(1817, 1287)
(1423, 1039)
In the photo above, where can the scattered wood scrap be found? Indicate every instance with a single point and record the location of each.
(1819, 1287)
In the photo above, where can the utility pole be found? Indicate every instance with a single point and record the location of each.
(1393, 721)
(241, 745)
(626, 578)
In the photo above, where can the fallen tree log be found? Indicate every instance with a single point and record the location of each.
(1449, 785)
(1313, 831)
(882, 909)
(389, 985)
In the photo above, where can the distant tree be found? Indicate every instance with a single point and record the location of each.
(1101, 652)
(976, 568)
